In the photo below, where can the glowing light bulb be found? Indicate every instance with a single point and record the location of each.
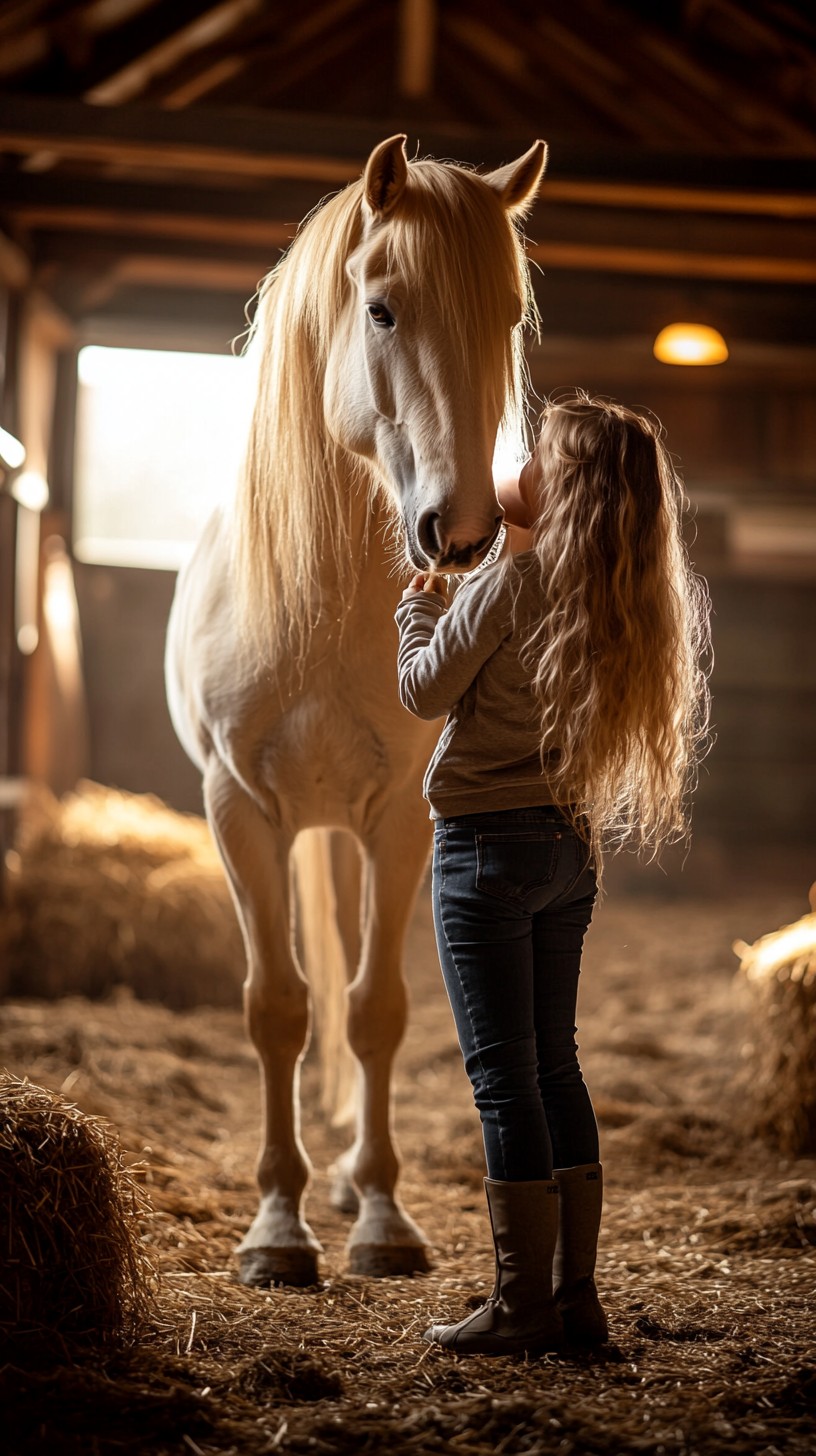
(690, 344)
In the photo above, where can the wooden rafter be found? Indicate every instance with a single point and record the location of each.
(205, 25)
(417, 44)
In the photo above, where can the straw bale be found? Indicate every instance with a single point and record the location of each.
(780, 970)
(112, 889)
(74, 1272)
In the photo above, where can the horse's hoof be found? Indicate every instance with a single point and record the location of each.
(261, 1267)
(385, 1261)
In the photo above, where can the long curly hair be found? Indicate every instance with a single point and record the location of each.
(619, 658)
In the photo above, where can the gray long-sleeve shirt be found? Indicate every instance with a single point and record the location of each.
(464, 661)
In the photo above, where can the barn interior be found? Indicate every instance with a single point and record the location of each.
(155, 161)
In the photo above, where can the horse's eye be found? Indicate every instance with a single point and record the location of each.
(379, 315)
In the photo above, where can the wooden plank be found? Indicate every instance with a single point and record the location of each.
(672, 198)
(334, 148)
(277, 200)
(147, 50)
(417, 36)
(251, 144)
(739, 249)
(11, 680)
(667, 262)
(211, 273)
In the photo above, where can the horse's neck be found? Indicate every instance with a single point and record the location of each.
(370, 534)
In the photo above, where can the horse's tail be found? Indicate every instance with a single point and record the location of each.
(328, 885)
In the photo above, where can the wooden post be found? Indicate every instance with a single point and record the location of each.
(11, 667)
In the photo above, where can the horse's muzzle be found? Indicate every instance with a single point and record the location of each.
(452, 556)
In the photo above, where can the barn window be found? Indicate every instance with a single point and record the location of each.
(159, 442)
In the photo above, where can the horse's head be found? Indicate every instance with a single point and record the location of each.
(424, 362)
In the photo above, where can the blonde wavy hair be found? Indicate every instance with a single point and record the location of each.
(619, 657)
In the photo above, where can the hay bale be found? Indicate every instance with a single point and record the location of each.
(108, 889)
(74, 1272)
(780, 970)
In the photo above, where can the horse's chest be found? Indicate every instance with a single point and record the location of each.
(323, 762)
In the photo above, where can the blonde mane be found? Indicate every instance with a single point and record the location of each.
(302, 499)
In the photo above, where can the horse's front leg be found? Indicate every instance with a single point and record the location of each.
(280, 1247)
(384, 1240)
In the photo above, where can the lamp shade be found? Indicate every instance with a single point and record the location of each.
(690, 344)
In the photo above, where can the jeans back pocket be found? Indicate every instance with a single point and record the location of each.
(510, 867)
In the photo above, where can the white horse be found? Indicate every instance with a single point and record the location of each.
(389, 349)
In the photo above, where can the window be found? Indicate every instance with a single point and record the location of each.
(160, 437)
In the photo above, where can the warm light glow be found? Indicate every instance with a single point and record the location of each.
(28, 638)
(770, 952)
(12, 452)
(508, 457)
(160, 436)
(690, 344)
(31, 490)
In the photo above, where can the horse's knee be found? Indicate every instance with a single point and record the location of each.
(376, 1017)
(277, 1020)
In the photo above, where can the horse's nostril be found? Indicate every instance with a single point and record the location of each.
(428, 533)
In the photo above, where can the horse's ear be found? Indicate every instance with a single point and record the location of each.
(385, 177)
(517, 184)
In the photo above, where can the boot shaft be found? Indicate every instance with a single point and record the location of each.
(524, 1221)
(580, 1207)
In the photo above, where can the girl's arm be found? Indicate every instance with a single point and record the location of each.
(441, 651)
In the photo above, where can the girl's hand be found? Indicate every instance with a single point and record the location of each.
(426, 581)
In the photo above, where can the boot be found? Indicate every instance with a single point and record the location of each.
(520, 1314)
(580, 1199)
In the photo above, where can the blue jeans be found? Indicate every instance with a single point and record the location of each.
(513, 894)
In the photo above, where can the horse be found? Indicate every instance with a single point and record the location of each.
(388, 351)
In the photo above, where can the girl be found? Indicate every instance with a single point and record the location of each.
(576, 703)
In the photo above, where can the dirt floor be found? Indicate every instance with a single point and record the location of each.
(706, 1265)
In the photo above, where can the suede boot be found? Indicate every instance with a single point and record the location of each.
(580, 1201)
(520, 1315)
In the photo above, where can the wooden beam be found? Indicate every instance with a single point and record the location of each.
(417, 37)
(218, 274)
(333, 149)
(212, 229)
(198, 221)
(678, 198)
(184, 27)
(260, 51)
(262, 215)
(597, 258)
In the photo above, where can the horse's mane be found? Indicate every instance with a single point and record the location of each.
(299, 492)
